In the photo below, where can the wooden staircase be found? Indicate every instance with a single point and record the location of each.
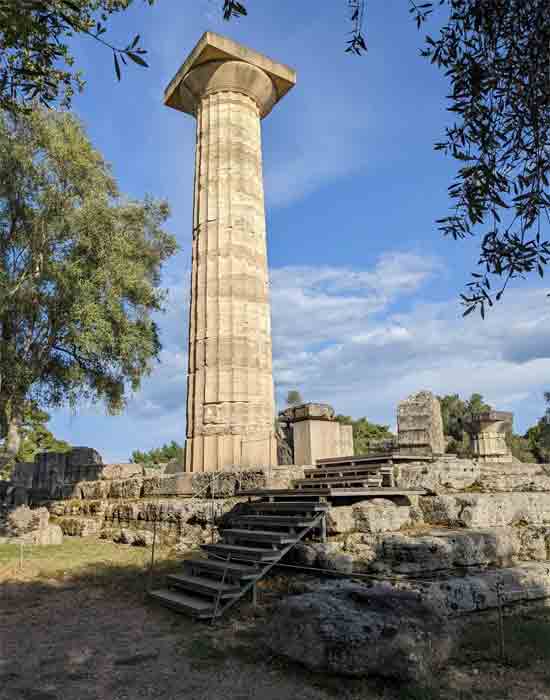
(252, 544)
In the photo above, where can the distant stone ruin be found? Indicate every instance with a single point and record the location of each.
(419, 425)
(490, 429)
(313, 433)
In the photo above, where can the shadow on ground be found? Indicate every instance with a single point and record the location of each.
(75, 624)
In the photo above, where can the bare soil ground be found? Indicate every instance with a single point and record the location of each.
(75, 625)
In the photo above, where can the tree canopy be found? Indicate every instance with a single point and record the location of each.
(537, 438)
(36, 63)
(456, 414)
(35, 437)
(159, 455)
(79, 272)
(364, 432)
(495, 54)
(294, 398)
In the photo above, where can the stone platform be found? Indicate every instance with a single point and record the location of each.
(332, 494)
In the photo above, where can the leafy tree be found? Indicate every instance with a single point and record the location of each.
(35, 437)
(538, 437)
(160, 455)
(495, 54)
(294, 398)
(456, 415)
(36, 62)
(79, 272)
(521, 448)
(364, 432)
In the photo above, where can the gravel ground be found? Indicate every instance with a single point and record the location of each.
(88, 633)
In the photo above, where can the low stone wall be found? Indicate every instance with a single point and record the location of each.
(25, 526)
(176, 520)
(479, 510)
(445, 474)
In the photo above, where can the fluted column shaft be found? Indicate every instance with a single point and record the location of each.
(230, 404)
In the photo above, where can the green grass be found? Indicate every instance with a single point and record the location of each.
(86, 560)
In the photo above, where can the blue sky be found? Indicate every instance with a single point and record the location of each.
(364, 288)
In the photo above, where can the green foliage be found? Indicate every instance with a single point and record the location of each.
(160, 455)
(36, 61)
(496, 56)
(79, 271)
(294, 398)
(35, 436)
(364, 432)
(456, 414)
(522, 448)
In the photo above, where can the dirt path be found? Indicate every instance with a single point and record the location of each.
(88, 633)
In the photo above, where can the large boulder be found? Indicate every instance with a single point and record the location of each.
(479, 510)
(353, 630)
(373, 515)
(446, 549)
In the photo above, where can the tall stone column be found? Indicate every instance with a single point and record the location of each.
(230, 403)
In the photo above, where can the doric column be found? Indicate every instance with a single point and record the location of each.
(230, 403)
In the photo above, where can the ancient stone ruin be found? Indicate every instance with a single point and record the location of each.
(448, 536)
(229, 88)
(490, 430)
(419, 425)
(312, 432)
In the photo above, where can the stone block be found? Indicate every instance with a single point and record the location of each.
(125, 488)
(121, 471)
(227, 483)
(309, 411)
(419, 425)
(23, 474)
(463, 594)
(443, 550)
(445, 474)
(283, 476)
(346, 441)
(480, 510)
(372, 515)
(80, 527)
(490, 429)
(168, 485)
(93, 490)
(83, 456)
(319, 439)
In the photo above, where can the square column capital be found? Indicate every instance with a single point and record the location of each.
(213, 47)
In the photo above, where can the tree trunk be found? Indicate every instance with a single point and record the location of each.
(13, 434)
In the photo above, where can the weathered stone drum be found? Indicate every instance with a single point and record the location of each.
(230, 403)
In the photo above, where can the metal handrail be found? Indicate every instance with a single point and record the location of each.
(320, 519)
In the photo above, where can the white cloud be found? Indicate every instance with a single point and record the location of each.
(343, 336)
(372, 357)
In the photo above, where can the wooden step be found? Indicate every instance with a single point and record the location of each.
(258, 536)
(183, 602)
(297, 521)
(203, 585)
(319, 472)
(216, 567)
(242, 553)
(329, 481)
(290, 507)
